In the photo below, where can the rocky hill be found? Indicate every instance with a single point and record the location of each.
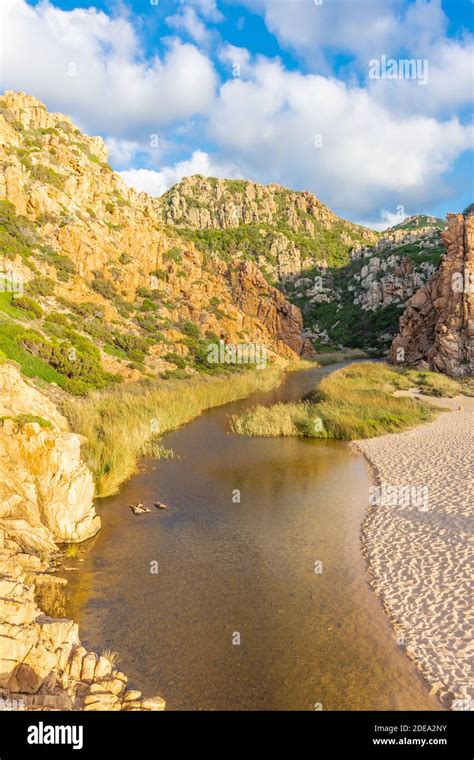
(284, 232)
(418, 223)
(350, 282)
(359, 303)
(109, 291)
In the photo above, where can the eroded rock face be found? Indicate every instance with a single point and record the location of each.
(437, 328)
(255, 297)
(46, 492)
(42, 663)
(204, 203)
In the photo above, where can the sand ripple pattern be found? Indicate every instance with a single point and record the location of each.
(421, 562)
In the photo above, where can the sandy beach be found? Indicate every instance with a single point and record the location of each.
(418, 541)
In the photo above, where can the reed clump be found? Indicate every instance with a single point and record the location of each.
(125, 422)
(354, 402)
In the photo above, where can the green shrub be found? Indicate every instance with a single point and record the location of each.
(17, 234)
(63, 264)
(175, 358)
(133, 345)
(29, 304)
(104, 287)
(46, 174)
(41, 286)
(190, 328)
(57, 318)
(175, 254)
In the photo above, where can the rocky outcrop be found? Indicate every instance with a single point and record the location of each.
(42, 663)
(424, 231)
(46, 491)
(393, 279)
(368, 294)
(254, 296)
(45, 498)
(209, 203)
(437, 328)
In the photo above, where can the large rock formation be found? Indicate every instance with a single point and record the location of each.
(359, 303)
(46, 491)
(437, 328)
(45, 497)
(253, 295)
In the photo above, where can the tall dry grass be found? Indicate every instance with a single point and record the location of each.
(126, 422)
(354, 402)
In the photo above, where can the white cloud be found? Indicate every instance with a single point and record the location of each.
(188, 20)
(387, 219)
(450, 83)
(370, 28)
(158, 182)
(207, 8)
(369, 158)
(339, 25)
(121, 152)
(382, 146)
(111, 89)
(234, 57)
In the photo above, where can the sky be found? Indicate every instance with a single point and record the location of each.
(310, 94)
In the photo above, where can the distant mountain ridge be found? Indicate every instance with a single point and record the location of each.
(283, 231)
(418, 221)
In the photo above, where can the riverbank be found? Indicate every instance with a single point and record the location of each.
(126, 422)
(357, 401)
(418, 544)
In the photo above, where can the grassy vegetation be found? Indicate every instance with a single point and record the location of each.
(252, 241)
(71, 551)
(121, 423)
(45, 174)
(24, 419)
(16, 232)
(421, 221)
(70, 360)
(29, 305)
(9, 305)
(354, 402)
(334, 355)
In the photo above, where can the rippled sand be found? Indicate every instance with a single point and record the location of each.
(421, 560)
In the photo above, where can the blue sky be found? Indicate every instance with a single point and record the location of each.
(271, 90)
